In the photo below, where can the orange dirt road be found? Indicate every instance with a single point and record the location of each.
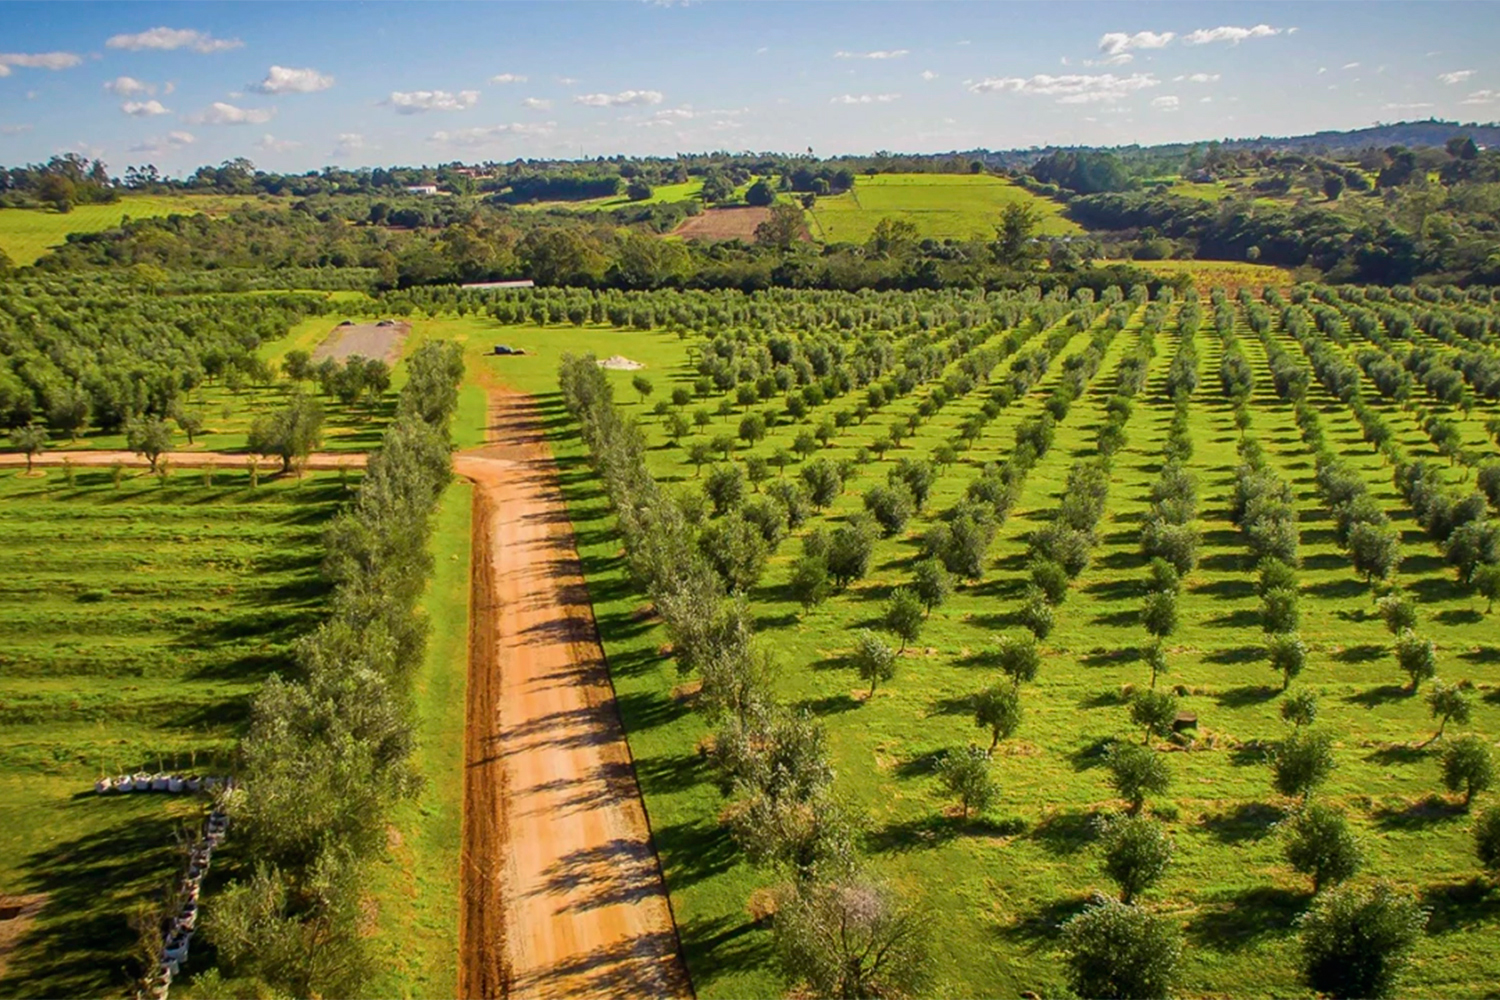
(563, 893)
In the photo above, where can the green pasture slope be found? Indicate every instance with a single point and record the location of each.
(942, 206)
(996, 890)
(28, 233)
(136, 622)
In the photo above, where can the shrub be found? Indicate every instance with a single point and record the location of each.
(1417, 657)
(1136, 772)
(1288, 655)
(904, 616)
(1357, 941)
(998, 709)
(1487, 839)
(1302, 762)
(1154, 711)
(872, 658)
(966, 774)
(1051, 579)
(1468, 765)
(932, 583)
(1137, 852)
(1116, 950)
(1321, 844)
(1300, 709)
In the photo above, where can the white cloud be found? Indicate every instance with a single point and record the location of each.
(1351, 65)
(1482, 97)
(1226, 33)
(285, 80)
(490, 134)
(865, 99)
(143, 109)
(270, 144)
(1116, 60)
(158, 145)
(1119, 42)
(416, 102)
(38, 60)
(1457, 76)
(1205, 100)
(128, 86)
(508, 78)
(624, 99)
(1165, 103)
(1415, 106)
(1197, 78)
(1070, 88)
(928, 74)
(567, 81)
(219, 113)
(1322, 70)
(536, 103)
(877, 54)
(173, 38)
(168, 87)
(348, 143)
(763, 50)
(14, 129)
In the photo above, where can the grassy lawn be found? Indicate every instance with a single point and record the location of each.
(135, 625)
(26, 233)
(996, 890)
(416, 889)
(942, 206)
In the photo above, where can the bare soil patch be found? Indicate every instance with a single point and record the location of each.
(16, 916)
(368, 340)
(723, 224)
(563, 891)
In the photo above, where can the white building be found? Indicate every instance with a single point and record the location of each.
(422, 189)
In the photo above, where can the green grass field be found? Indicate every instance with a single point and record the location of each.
(135, 625)
(942, 206)
(28, 233)
(995, 891)
(416, 888)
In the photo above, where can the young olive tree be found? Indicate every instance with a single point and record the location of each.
(904, 616)
(1468, 766)
(150, 437)
(1417, 657)
(966, 774)
(998, 709)
(1018, 657)
(1448, 703)
(1121, 951)
(1136, 772)
(1137, 852)
(1154, 712)
(1321, 844)
(1357, 941)
(851, 938)
(873, 659)
(1288, 655)
(1302, 762)
(1300, 709)
(932, 583)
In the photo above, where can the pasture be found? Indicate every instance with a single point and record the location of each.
(941, 206)
(996, 890)
(28, 233)
(137, 621)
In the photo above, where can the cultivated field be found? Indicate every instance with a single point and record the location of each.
(26, 234)
(1007, 881)
(723, 224)
(136, 623)
(942, 206)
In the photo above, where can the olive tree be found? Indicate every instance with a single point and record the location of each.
(1121, 952)
(1468, 766)
(1357, 941)
(851, 938)
(1018, 657)
(1159, 613)
(1302, 762)
(1154, 712)
(1301, 708)
(151, 436)
(289, 433)
(1398, 612)
(872, 658)
(1136, 853)
(932, 583)
(1136, 772)
(1417, 657)
(1321, 844)
(1487, 839)
(1448, 703)
(998, 709)
(966, 774)
(31, 439)
(904, 616)
(1288, 655)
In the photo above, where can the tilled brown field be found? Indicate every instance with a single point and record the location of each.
(563, 891)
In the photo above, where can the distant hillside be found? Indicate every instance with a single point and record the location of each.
(1431, 132)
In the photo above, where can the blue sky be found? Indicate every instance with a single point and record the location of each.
(298, 86)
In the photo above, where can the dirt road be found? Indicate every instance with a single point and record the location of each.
(186, 459)
(563, 894)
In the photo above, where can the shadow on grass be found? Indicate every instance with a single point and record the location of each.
(1244, 697)
(953, 705)
(920, 765)
(1242, 618)
(1111, 657)
(1377, 696)
(669, 772)
(1237, 921)
(1066, 833)
(1248, 821)
(1227, 590)
(692, 852)
(1419, 815)
(1459, 616)
(1397, 753)
(1454, 905)
(1042, 926)
(834, 704)
(1236, 654)
(1092, 754)
(716, 946)
(1361, 654)
(937, 829)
